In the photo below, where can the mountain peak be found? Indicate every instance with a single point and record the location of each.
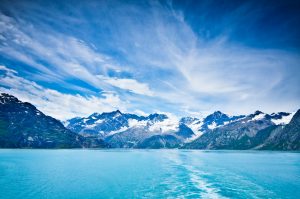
(216, 115)
(24, 126)
(113, 113)
(4, 98)
(95, 114)
(157, 116)
(117, 111)
(258, 112)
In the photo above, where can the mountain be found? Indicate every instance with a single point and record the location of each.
(24, 126)
(218, 119)
(255, 131)
(216, 131)
(101, 124)
(284, 137)
(123, 130)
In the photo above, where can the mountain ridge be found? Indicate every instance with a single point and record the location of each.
(24, 126)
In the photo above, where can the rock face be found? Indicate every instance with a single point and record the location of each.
(23, 126)
(256, 131)
(123, 130)
(160, 141)
(216, 131)
(218, 119)
(285, 137)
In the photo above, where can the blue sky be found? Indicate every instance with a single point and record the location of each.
(73, 58)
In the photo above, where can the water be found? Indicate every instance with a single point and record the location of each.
(148, 174)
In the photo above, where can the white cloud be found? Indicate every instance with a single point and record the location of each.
(66, 56)
(209, 75)
(128, 84)
(198, 75)
(54, 103)
(140, 112)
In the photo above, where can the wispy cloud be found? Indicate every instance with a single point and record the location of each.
(176, 58)
(210, 74)
(128, 84)
(59, 105)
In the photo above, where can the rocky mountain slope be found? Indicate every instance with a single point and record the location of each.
(256, 131)
(24, 126)
(216, 131)
(284, 137)
(123, 130)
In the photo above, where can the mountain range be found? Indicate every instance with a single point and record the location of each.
(24, 126)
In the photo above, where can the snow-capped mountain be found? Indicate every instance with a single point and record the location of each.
(22, 125)
(245, 132)
(160, 130)
(218, 119)
(130, 130)
(107, 124)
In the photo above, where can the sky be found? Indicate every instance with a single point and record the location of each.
(187, 58)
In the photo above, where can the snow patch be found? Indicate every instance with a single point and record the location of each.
(195, 126)
(85, 119)
(167, 125)
(259, 116)
(227, 122)
(134, 122)
(90, 126)
(284, 120)
(124, 128)
(212, 126)
(116, 115)
(99, 121)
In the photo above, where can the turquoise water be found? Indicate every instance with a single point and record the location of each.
(148, 174)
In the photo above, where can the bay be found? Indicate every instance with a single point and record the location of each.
(91, 174)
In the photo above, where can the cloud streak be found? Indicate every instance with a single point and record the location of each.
(175, 58)
(128, 84)
(51, 102)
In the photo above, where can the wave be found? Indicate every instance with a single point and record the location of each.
(202, 188)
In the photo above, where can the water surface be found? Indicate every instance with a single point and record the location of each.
(105, 174)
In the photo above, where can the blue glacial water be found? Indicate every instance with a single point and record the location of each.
(148, 174)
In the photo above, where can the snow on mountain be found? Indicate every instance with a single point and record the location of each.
(193, 123)
(136, 123)
(130, 130)
(213, 125)
(218, 119)
(170, 124)
(258, 116)
(24, 126)
(283, 120)
(158, 130)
